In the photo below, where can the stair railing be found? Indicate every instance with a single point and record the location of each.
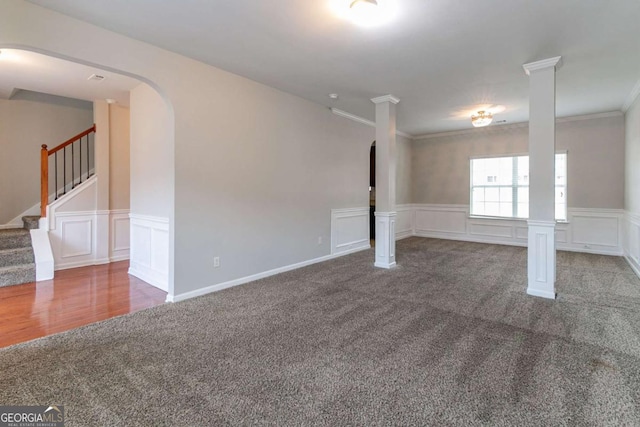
(74, 157)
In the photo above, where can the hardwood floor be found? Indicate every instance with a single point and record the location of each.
(75, 297)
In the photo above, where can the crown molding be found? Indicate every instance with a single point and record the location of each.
(385, 98)
(632, 97)
(542, 64)
(474, 131)
(365, 121)
(494, 128)
(589, 116)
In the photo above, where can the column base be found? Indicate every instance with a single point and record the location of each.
(541, 268)
(385, 240)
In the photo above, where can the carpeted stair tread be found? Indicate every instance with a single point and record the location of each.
(15, 238)
(17, 261)
(17, 256)
(17, 274)
(31, 222)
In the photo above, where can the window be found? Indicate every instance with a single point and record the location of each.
(500, 186)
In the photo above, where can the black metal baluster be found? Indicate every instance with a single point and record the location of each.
(56, 169)
(81, 159)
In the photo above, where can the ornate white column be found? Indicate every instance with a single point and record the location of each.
(542, 150)
(385, 215)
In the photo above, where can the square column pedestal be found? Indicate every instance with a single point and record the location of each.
(542, 259)
(385, 239)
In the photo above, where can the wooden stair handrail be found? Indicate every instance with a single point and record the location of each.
(72, 140)
(44, 181)
(44, 167)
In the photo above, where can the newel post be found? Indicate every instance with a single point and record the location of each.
(44, 180)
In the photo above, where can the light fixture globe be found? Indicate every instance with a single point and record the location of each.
(482, 119)
(366, 13)
(361, 3)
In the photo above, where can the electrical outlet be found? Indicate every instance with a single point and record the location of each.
(216, 262)
(319, 240)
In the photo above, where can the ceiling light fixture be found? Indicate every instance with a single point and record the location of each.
(366, 13)
(363, 3)
(482, 119)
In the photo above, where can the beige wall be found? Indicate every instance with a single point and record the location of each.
(26, 124)
(440, 167)
(632, 158)
(119, 131)
(152, 154)
(403, 170)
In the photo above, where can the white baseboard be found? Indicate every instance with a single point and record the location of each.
(254, 277)
(542, 294)
(634, 266)
(152, 277)
(124, 257)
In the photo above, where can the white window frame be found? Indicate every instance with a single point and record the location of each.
(513, 217)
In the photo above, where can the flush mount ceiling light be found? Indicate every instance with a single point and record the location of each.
(362, 4)
(365, 13)
(483, 118)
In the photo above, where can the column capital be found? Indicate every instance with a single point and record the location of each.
(385, 98)
(542, 64)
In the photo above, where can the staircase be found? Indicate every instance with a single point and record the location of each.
(17, 263)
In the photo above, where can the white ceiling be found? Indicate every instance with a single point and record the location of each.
(32, 71)
(442, 58)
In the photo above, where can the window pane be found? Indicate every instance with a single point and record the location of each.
(492, 194)
(506, 209)
(492, 209)
(506, 194)
(523, 210)
(478, 195)
(523, 170)
(477, 209)
(523, 195)
(505, 174)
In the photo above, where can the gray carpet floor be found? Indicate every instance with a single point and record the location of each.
(447, 338)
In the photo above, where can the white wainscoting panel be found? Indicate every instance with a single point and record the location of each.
(404, 221)
(73, 239)
(150, 250)
(349, 229)
(119, 235)
(587, 230)
(632, 241)
(445, 220)
(596, 228)
(77, 235)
